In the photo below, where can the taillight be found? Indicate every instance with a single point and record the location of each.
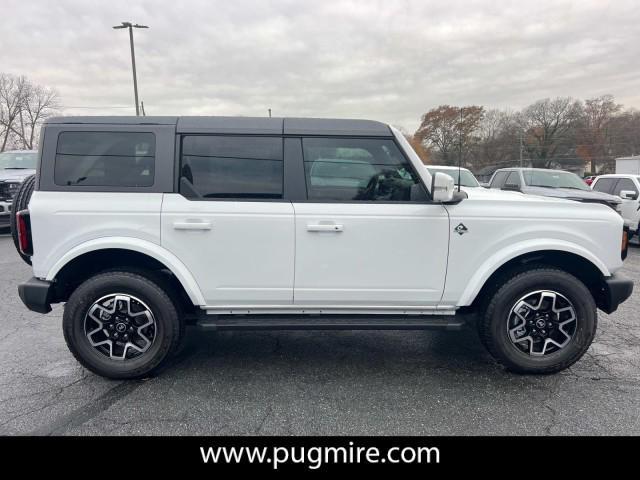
(624, 248)
(23, 223)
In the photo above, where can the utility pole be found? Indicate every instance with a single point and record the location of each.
(269, 113)
(521, 147)
(131, 26)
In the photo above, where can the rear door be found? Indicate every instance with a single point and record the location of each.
(366, 236)
(228, 222)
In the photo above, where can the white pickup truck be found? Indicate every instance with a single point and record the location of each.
(141, 225)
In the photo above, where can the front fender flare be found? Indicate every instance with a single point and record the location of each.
(497, 260)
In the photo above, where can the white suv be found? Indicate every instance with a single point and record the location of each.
(142, 225)
(627, 188)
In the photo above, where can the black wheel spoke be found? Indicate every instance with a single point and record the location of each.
(541, 322)
(120, 326)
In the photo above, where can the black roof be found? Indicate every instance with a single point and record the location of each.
(243, 125)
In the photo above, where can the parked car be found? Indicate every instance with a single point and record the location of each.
(15, 166)
(467, 180)
(550, 183)
(589, 180)
(626, 187)
(141, 225)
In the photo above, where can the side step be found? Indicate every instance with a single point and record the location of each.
(331, 322)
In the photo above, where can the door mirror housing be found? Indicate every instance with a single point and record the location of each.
(628, 195)
(442, 186)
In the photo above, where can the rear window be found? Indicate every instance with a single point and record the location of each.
(218, 166)
(105, 159)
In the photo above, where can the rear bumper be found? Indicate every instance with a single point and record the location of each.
(36, 294)
(616, 289)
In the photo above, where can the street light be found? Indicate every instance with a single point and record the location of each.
(131, 26)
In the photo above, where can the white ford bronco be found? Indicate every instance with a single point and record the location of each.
(141, 225)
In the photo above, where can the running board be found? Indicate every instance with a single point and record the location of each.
(331, 322)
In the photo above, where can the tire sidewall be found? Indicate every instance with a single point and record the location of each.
(164, 312)
(557, 281)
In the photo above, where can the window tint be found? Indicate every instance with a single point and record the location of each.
(231, 167)
(112, 159)
(513, 180)
(625, 184)
(604, 184)
(347, 169)
(498, 179)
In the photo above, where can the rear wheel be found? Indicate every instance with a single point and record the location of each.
(121, 325)
(539, 321)
(21, 202)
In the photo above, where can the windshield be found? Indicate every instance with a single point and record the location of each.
(467, 178)
(553, 179)
(18, 160)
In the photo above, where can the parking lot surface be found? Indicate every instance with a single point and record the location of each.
(314, 383)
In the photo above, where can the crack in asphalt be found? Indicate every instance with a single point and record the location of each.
(88, 411)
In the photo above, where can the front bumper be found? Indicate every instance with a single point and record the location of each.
(5, 209)
(36, 294)
(615, 290)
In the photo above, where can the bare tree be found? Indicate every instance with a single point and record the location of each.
(39, 103)
(23, 107)
(549, 126)
(594, 138)
(12, 92)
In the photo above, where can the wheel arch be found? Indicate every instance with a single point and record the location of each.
(108, 253)
(584, 267)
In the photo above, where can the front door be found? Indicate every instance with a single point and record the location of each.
(366, 236)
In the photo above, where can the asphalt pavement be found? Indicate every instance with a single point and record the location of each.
(314, 383)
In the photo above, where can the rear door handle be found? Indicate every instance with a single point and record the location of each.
(323, 227)
(192, 225)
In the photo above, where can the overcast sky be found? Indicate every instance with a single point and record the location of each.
(388, 60)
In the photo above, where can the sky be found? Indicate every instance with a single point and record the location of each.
(389, 60)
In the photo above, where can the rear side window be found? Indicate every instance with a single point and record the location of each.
(352, 169)
(604, 185)
(498, 179)
(214, 166)
(105, 159)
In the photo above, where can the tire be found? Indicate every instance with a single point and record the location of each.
(531, 285)
(21, 202)
(159, 341)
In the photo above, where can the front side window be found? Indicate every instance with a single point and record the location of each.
(513, 180)
(357, 169)
(604, 185)
(498, 179)
(218, 166)
(105, 159)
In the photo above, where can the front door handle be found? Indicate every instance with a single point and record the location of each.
(325, 227)
(192, 225)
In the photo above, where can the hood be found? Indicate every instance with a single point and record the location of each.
(17, 175)
(573, 194)
(497, 194)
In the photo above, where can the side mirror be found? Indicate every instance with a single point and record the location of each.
(442, 187)
(628, 195)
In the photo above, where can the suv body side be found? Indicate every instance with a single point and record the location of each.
(299, 246)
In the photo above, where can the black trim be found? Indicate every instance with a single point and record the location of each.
(331, 322)
(36, 294)
(616, 289)
(295, 187)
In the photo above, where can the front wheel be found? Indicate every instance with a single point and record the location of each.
(121, 325)
(540, 321)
